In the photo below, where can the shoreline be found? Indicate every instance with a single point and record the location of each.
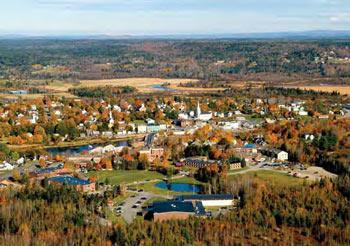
(76, 143)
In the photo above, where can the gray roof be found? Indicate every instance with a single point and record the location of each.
(177, 206)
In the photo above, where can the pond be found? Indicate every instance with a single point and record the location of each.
(77, 150)
(179, 187)
(162, 88)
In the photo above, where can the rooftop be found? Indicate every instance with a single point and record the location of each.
(249, 146)
(49, 169)
(69, 180)
(178, 206)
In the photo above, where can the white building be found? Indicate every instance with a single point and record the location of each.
(5, 166)
(230, 125)
(203, 116)
(282, 156)
(216, 200)
(141, 128)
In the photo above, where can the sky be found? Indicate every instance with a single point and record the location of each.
(147, 17)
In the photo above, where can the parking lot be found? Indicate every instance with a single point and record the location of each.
(132, 205)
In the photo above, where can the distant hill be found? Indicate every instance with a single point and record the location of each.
(316, 34)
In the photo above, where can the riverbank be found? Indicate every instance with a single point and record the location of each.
(75, 143)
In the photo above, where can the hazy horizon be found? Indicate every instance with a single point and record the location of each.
(182, 17)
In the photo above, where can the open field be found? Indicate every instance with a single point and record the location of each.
(117, 177)
(271, 177)
(142, 84)
(150, 187)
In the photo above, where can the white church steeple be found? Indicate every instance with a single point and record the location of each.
(198, 113)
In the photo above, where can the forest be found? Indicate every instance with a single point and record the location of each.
(310, 214)
(101, 91)
(202, 59)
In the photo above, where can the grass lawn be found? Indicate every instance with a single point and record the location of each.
(121, 176)
(186, 180)
(272, 177)
(238, 170)
(150, 187)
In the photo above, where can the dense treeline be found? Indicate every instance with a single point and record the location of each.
(329, 147)
(204, 59)
(297, 92)
(315, 214)
(101, 91)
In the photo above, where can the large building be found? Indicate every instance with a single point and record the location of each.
(78, 184)
(176, 210)
(216, 200)
(198, 163)
(153, 153)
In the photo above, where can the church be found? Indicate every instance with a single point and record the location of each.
(203, 116)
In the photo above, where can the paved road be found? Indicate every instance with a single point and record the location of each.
(149, 140)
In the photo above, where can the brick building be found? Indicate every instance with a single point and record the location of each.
(153, 153)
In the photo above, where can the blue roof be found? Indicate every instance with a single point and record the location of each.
(69, 180)
(205, 197)
(249, 146)
(176, 206)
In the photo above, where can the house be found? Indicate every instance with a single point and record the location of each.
(276, 153)
(79, 184)
(215, 200)
(153, 128)
(303, 113)
(175, 210)
(5, 166)
(183, 116)
(186, 123)
(234, 125)
(108, 134)
(142, 128)
(250, 148)
(150, 121)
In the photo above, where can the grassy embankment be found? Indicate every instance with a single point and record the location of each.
(271, 177)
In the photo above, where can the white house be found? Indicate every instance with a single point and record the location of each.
(142, 128)
(282, 156)
(5, 166)
(276, 153)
